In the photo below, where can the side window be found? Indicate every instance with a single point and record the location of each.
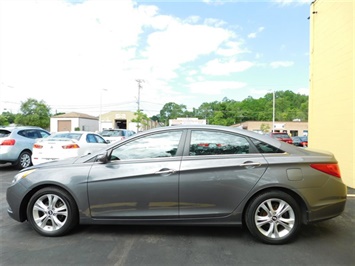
(90, 138)
(217, 143)
(99, 139)
(42, 134)
(265, 148)
(153, 146)
(29, 133)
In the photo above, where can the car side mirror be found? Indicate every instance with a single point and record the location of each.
(103, 158)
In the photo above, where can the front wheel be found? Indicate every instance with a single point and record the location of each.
(52, 212)
(273, 217)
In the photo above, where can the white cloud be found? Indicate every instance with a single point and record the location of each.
(59, 52)
(66, 54)
(215, 87)
(225, 67)
(277, 64)
(181, 43)
(289, 2)
(230, 48)
(253, 35)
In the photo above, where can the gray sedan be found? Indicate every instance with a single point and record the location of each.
(190, 175)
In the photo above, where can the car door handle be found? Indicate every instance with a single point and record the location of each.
(250, 164)
(164, 172)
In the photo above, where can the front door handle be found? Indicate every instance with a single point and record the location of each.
(165, 172)
(250, 164)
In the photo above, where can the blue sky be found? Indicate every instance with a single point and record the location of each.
(86, 55)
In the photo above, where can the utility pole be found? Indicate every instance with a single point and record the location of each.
(139, 81)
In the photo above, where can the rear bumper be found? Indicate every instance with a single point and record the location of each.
(326, 212)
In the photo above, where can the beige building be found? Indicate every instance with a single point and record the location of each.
(332, 97)
(73, 121)
(291, 128)
(123, 120)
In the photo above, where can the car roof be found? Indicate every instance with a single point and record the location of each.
(18, 128)
(247, 133)
(115, 129)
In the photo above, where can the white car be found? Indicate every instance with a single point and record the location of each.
(63, 145)
(112, 135)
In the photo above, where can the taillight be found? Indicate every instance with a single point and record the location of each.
(8, 142)
(71, 146)
(330, 169)
(37, 146)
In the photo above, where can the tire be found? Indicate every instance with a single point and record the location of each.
(273, 217)
(52, 212)
(24, 160)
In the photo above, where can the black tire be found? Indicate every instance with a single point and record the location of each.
(273, 217)
(52, 212)
(24, 160)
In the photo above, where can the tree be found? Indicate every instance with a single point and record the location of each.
(265, 128)
(3, 121)
(289, 106)
(7, 118)
(34, 113)
(172, 111)
(141, 119)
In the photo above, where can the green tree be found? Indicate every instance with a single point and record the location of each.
(34, 113)
(3, 121)
(265, 128)
(172, 111)
(7, 118)
(288, 106)
(141, 120)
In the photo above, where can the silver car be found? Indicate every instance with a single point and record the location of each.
(190, 175)
(16, 144)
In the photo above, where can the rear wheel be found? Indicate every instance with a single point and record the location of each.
(273, 217)
(52, 212)
(24, 160)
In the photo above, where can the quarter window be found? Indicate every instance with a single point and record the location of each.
(217, 143)
(265, 148)
(153, 146)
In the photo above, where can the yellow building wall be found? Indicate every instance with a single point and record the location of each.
(332, 97)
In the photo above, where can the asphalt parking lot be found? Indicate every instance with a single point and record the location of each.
(327, 243)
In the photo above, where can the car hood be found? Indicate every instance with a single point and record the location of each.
(55, 163)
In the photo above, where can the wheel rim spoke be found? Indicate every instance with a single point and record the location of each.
(274, 218)
(50, 213)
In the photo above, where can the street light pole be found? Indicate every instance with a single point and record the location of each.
(273, 110)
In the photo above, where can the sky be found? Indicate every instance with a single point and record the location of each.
(96, 56)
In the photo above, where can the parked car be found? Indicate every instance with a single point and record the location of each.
(301, 141)
(187, 175)
(113, 135)
(63, 145)
(16, 144)
(280, 136)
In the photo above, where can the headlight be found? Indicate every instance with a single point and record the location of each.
(22, 175)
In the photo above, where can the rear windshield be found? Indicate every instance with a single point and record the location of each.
(4, 133)
(284, 136)
(75, 136)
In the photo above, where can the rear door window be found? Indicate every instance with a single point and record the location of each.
(217, 143)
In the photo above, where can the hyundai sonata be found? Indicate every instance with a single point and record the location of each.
(190, 175)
